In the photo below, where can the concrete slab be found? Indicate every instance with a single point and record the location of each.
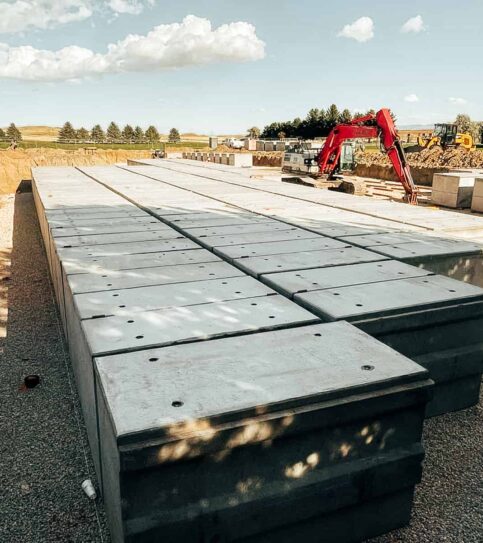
(453, 190)
(215, 219)
(291, 233)
(279, 247)
(162, 275)
(125, 248)
(109, 228)
(129, 300)
(192, 323)
(161, 233)
(295, 282)
(387, 297)
(260, 265)
(217, 448)
(266, 226)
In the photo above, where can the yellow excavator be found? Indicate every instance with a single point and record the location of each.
(447, 135)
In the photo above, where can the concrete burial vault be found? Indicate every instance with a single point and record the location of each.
(220, 402)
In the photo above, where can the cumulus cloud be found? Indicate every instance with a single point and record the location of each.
(414, 24)
(457, 101)
(24, 14)
(191, 42)
(361, 30)
(411, 98)
(21, 15)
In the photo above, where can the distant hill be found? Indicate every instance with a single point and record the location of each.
(39, 133)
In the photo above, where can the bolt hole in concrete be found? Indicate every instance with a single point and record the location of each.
(359, 305)
(318, 335)
(367, 367)
(271, 316)
(139, 337)
(31, 381)
(130, 322)
(253, 303)
(177, 403)
(153, 359)
(115, 295)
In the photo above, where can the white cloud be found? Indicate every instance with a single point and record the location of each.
(414, 24)
(411, 98)
(132, 7)
(191, 42)
(24, 14)
(361, 30)
(457, 101)
(21, 15)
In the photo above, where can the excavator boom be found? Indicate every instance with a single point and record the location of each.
(370, 126)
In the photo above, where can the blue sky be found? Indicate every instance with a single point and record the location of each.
(425, 75)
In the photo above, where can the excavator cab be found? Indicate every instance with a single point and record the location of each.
(446, 133)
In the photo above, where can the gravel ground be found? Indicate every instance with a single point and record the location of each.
(43, 446)
(44, 453)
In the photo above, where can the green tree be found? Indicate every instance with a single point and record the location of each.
(67, 133)
(174, 136)
(332, 116)
(466, 125)
(152, 135)
(97, 134)
(113, 133)
(254, 132)
(3, 136)
(13, 133)
(82, 134)
(345, 116)
(128, 133)
(138, 134)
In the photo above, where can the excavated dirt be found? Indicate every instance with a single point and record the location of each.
(16, 165)
(423, 164)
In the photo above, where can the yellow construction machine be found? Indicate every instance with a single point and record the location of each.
(447, 135)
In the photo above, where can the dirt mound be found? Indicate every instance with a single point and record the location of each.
(429, 158)
(16, 165)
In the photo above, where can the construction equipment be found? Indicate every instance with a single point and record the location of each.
(379, 125)
(447, 135)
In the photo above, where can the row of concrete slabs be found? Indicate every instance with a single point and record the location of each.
(217, 408)
(408, 312)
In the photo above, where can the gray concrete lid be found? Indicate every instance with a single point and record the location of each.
(216, 219)
(129, 300)
(426, 243)
(117, 249)
(162, 232)
(388, 297)
(422, 249)
(172, 325)
(258, 373)
(279, 247)
(162, 275)
(310, 259)
(73, 219)
(291, 233)
(293, 282)
(267, 226)
(109, 228)
(102, 264)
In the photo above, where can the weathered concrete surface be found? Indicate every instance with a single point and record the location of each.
(262, 447)
(477, 199)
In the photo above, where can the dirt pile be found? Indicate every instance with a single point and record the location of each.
(430, 158)
(424, 164)
(16, 165)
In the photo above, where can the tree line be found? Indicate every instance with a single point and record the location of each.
(317, 123)
(113, 134)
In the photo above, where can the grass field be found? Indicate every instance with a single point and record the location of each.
(30, 144)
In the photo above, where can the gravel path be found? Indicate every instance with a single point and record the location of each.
(43, 447)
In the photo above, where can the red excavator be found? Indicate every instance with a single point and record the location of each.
(371, 125)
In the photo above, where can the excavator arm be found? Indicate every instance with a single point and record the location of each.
(370, 126)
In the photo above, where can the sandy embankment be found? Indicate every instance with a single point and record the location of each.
(16, 165)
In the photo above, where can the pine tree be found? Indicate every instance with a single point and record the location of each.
(3, 136)
(152, 134)
(82, 134)
(128, 134)
(97, 134)
(138, 134)
(13, 133)
(332, 116)
(66, 133)
(345, 116)
(174, 136)
(113, 133)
